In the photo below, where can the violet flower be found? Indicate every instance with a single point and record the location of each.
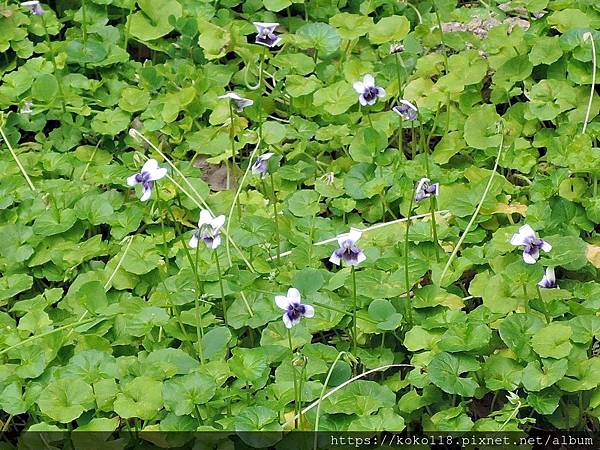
(348, 251)
(369, 93)
(27, 108)
(261, 165)
(531, 244)
(425, 189)
(294, 310)
(406, 110)
(239, 102)
(548, 281)
(208, 230)
(150, 172)
(34, 7)
(266, 34)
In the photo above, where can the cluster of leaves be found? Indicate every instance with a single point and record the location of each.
(100, 302)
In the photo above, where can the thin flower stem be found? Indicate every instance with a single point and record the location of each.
(318, 413)
(409, 316)
(476, 213)
(545, 310)
(589, 37)
(223, 302)
(526, 295)
(236, 198)
(432, 203)
(128, 27)
(231, 140)
(275, 215)
(53, 60)
(14, 155)
(294, 375)
(354, 307)
(194, 267)
(84, 21)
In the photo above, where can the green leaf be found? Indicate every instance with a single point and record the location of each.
(320, 36)
(552, 341)
(215, 341)
(183, 393)
(535, 378)
(276, 5)
(248, 364)
(141, 397)
(481, 128)
(11, 285)
(303, 203)
(445, 371)
(65, 399)
(546, 50)
(392, 28)
(45, 88)
(152, 22)
(351, 26)
(500, 373)
(110, 122)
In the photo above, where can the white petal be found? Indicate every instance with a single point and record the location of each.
(216, 242)
(218, 222)
(286, 321)
(293, 295)
(131, 181)
(266, 24)
(159, 173)
(282, 301)
(421, 183)
(194, 241)
(231, 95)
(529, 259)
(205, 218)
(342, 238)
(409, 104)
(150, 166)
(362, 101)
(517, 239)
(550, 275)
(359, 86)
(146, 194)
(309, 311)
(335, 259)
(266, 156)
(380, 92)
(360, 258)
(546, 247)
(354, 235)
(368, 80)
(526, 230)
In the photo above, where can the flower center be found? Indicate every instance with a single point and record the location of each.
(370, 93)
(295, 311)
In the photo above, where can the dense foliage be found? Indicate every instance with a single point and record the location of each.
(118, 313)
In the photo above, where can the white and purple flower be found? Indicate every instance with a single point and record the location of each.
(348, 251)
(239, 102)
(209, 230)
(369, 93)
(406, 110)
(34, 7)
(425, 189)
(261, 165)
(147, 176)
(27, 108)
(294, 310)
(531, 244)
(266, 34)
(548, 281)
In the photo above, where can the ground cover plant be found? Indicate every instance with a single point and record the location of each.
(285, 214)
